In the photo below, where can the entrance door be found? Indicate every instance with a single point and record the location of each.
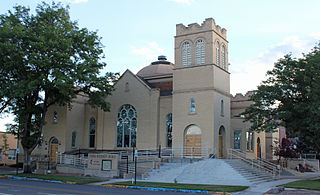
(220, 146)
(258, 148)
(192, 145)
(221, 140)
(53, 150)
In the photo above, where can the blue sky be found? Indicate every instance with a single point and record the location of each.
(135, 32)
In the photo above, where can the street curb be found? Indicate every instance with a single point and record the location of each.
(165, 189)
(33, 179)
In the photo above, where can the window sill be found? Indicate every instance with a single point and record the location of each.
(192, 113)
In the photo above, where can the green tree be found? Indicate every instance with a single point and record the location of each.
(290, 97)
(5, 147)
(47, 59)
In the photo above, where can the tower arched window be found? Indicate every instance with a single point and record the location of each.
(169, 130)
(92, 132)
(186, 54)
(126, 126)
(218, 53)
(200, 52)
(223, 57)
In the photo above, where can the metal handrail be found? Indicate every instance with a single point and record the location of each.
(257, 163)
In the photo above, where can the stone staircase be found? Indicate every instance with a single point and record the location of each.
(127, 169)
(254, 175)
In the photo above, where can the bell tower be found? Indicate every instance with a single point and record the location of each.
(201, 88)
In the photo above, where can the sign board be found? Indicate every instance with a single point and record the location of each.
(17, 150)
(136, 153)
(106, 165)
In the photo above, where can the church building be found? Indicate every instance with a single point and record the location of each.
(185, 107)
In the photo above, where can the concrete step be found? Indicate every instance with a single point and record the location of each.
(246, 170)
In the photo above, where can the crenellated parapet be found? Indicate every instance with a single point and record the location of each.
(207, 25)
(241, 97)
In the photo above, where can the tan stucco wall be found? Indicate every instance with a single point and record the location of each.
(145, 101)
(53, 130)
(165, 109)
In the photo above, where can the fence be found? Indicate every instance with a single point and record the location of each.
(73, 160)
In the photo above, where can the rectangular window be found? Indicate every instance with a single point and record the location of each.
(0, 154)
(250, 140)
(12, 154)
(237, 139)
(192, 106)
(73, 139)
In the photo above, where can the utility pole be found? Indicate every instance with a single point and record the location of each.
(48, 159)
(135, 166)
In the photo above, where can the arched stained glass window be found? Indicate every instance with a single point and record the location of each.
(223, 57)
(92, 132)
(169, 130)
(200, 52)
(218, 53)
(126, 126)
(186, 54)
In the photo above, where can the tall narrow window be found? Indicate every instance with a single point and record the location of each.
(192, 106)
(92, 132)
(186, 54)
(73, 139)
(250, 140)
(218, 53)
(200, 52)
(169, 130)
(126, 126)
(222, 108)
(237, 140)
(55, 117)
(223, 57)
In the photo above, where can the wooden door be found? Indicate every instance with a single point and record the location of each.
(53, 152)
(193, 145)
(220, 146)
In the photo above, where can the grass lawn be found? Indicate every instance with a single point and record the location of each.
(216, 188)
(304, 184)
(66, 179)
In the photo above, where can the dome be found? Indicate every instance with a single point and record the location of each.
(157, 68)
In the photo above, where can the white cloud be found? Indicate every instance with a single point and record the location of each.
(148, 53)
(246, 76)
(77, 1)
(188, 2)
(5, 119)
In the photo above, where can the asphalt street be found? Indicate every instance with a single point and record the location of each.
(15, 187)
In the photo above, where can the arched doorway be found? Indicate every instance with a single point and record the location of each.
(192, 144)
(221, 141)
(258, 148)
(54, 143)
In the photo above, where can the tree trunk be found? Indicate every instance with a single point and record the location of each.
(27, 161)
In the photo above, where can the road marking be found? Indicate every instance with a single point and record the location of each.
(51, 189)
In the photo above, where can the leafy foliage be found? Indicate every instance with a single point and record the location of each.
(47, 59)
(286, 149)
(290, 97)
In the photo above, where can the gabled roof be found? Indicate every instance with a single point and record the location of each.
(142, 81)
